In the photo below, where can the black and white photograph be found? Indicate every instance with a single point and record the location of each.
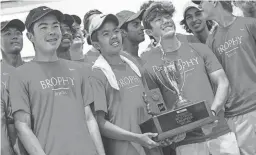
(128, 77)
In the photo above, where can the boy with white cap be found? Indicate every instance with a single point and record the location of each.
(116, 80)
(193, 22)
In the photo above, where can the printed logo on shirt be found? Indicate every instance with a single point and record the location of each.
(128, 82)
(60, 85)
(71, 69)
(4, 84)
(229, 47)
(185, 68)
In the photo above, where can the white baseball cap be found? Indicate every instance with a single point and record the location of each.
(98, 20)
(188, 6)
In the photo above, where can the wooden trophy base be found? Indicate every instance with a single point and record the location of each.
(174, 122)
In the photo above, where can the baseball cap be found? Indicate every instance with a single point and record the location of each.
(188, 6)
(13, 23)
(197, 2)
(38, 13)
(157, 7)
(126, 16)
(98, 20)
(68, 19)
(77, 19)
(86, 19)
(227, 2)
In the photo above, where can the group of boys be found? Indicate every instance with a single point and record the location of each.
(64, 102)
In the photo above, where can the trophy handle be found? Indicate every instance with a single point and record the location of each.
(145, 98)
(154, 102)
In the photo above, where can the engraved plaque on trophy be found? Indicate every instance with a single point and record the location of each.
(183, 117)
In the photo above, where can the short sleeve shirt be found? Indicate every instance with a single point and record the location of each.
(6, 111)
(235, 47)
(6, 148)
(124, 108)
(91, 56)
(6, 71)
(55, 94)
(194, 62)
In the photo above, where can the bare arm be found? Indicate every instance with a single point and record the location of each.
(22, 122)
(114, 132)
(221, 82)
(94, 130)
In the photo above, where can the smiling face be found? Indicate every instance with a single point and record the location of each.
(76, 26)
(195, 21)
(66, 40)
(11, 40)
(78, 40)
(109, 38)
(163, 26)
(46, 34)
(135, 31)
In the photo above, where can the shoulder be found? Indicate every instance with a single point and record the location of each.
(246, 20)
(124, 53)
(182, 37)
(26, 65)
(202, 49)
(26, 70)
(6, 68)
(128, 56)
(148, 52)
(145, 52)
(98, 74)
(187, 38)
(199, 45)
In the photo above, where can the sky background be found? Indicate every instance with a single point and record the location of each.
(80, 7)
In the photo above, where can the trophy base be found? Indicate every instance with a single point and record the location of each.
(183, 119)
(182, 103)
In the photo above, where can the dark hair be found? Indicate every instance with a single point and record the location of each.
(227, 6)
(156, 8)
(124, 26)
(87, 16)
(73, 30)
(12, 26)
(145, 5)
(76, 31)
(31, 28)
(94, 37)
(183, 23)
